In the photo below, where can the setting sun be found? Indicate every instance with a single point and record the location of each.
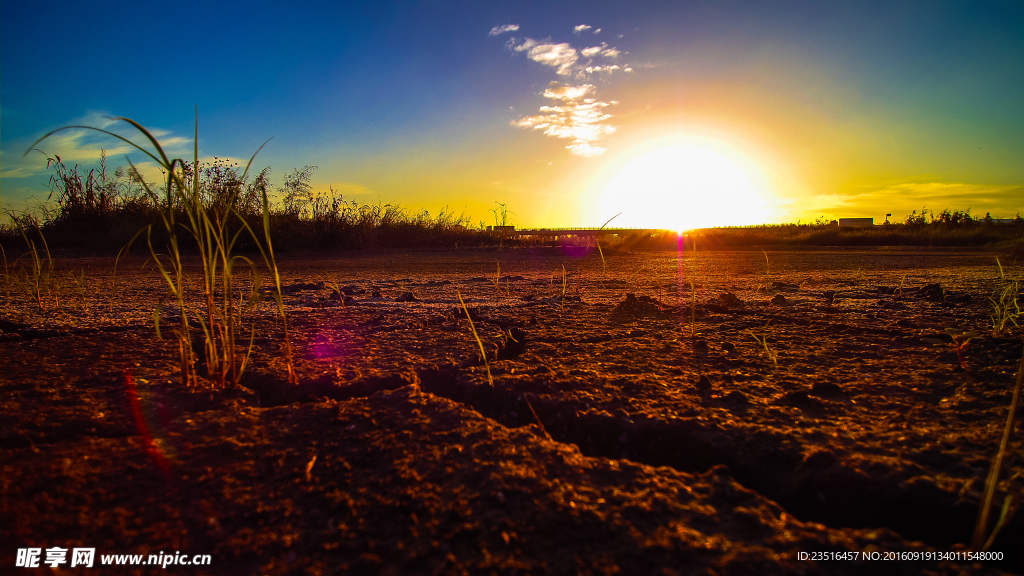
(685, 185)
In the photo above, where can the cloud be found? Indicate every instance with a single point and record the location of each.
(560, 56)
(900, 199)
(502, 29)
(81, 146)
(568, 92)
(579, 121)
(579, 116)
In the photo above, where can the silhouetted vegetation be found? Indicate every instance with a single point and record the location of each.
(101, 211)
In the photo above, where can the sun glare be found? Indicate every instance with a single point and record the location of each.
(685, 185)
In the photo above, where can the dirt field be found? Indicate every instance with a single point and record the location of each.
(717, 412)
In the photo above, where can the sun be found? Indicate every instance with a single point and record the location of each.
(685, 185)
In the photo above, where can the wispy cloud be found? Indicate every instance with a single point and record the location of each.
(576, 118)
(559, 56)
(568, 92)
(81, 146)
(576, 113)
(903, 198)
(502, 29)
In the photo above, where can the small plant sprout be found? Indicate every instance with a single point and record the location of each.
(960, 341)
(472, 328)
(497, 279)
(41, 277)
(604, 267)
(763, 341)
(899, 290)
(565, 286)
(767, 273)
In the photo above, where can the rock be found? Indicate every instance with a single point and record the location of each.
(785, 287)
(730, 300)
(407, 297)
(778, 300)
(933, 292)
(736, 397)
(951, 301)
(825, 389)
(830, 296)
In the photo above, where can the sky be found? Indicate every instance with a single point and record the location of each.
(653, 114)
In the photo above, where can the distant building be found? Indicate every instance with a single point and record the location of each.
(856, 222)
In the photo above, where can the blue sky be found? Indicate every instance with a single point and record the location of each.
(841, 109)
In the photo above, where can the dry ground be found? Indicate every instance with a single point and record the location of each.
(671, 442)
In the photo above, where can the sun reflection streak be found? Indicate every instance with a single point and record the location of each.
(154, 449)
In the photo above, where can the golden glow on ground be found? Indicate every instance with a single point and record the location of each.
(685, 184)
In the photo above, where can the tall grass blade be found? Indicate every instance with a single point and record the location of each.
(472, 328)
(979, 542)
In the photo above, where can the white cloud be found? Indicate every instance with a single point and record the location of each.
(580, 115)
(585, 149)
(602, 50)
(580, 122)
(568, 92)
(502, 29)
(598, 31)
(609, 69)
(561, 56)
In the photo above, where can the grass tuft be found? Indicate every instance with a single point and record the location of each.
(214, 224)
(1005, 306)
(763, 341)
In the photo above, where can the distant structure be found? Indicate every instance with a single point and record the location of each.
(856, 222)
